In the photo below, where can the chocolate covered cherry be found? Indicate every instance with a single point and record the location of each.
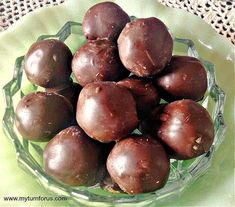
(138, 164)
(48, 63)
(145, 94)
(183, 78)
(106, 111)
(98, 61)
(40, 116)
(104, 20)
(73, 158)
(185, 126)
(145, 46)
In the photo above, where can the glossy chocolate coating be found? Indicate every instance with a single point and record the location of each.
(106, 111)
(70, 91)
(145, 46)
(186, 127)
(145, 94)
(104, 20)
(39, 116)
(98, 61)
(138, 164)
(183, 78)
(48, 63)
(73, 158)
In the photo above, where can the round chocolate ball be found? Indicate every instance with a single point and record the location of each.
(186, 127)
(106, 111)
(183, 78)
(70, 91)
(145, 94)
(48, 63)
(98, 61)
(138, 164)
(145, 46)
(41, 115)
(73, 158)
(104, 20)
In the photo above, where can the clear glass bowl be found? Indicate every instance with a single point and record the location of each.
(182, 174)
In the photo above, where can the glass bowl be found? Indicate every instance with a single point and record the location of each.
(182, 174)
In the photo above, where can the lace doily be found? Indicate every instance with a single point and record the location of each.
(220, 14)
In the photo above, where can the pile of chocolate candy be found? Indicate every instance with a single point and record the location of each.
(121, 73)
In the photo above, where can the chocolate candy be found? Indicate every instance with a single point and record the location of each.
(138, 164)
(186, 127)
(73, 158)
(39, 116)
(98, 61)
(183, 78)
(145, 94)
(106, 111)
(145, 46)
(104, 20)
(70, 91)
(48, 63)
